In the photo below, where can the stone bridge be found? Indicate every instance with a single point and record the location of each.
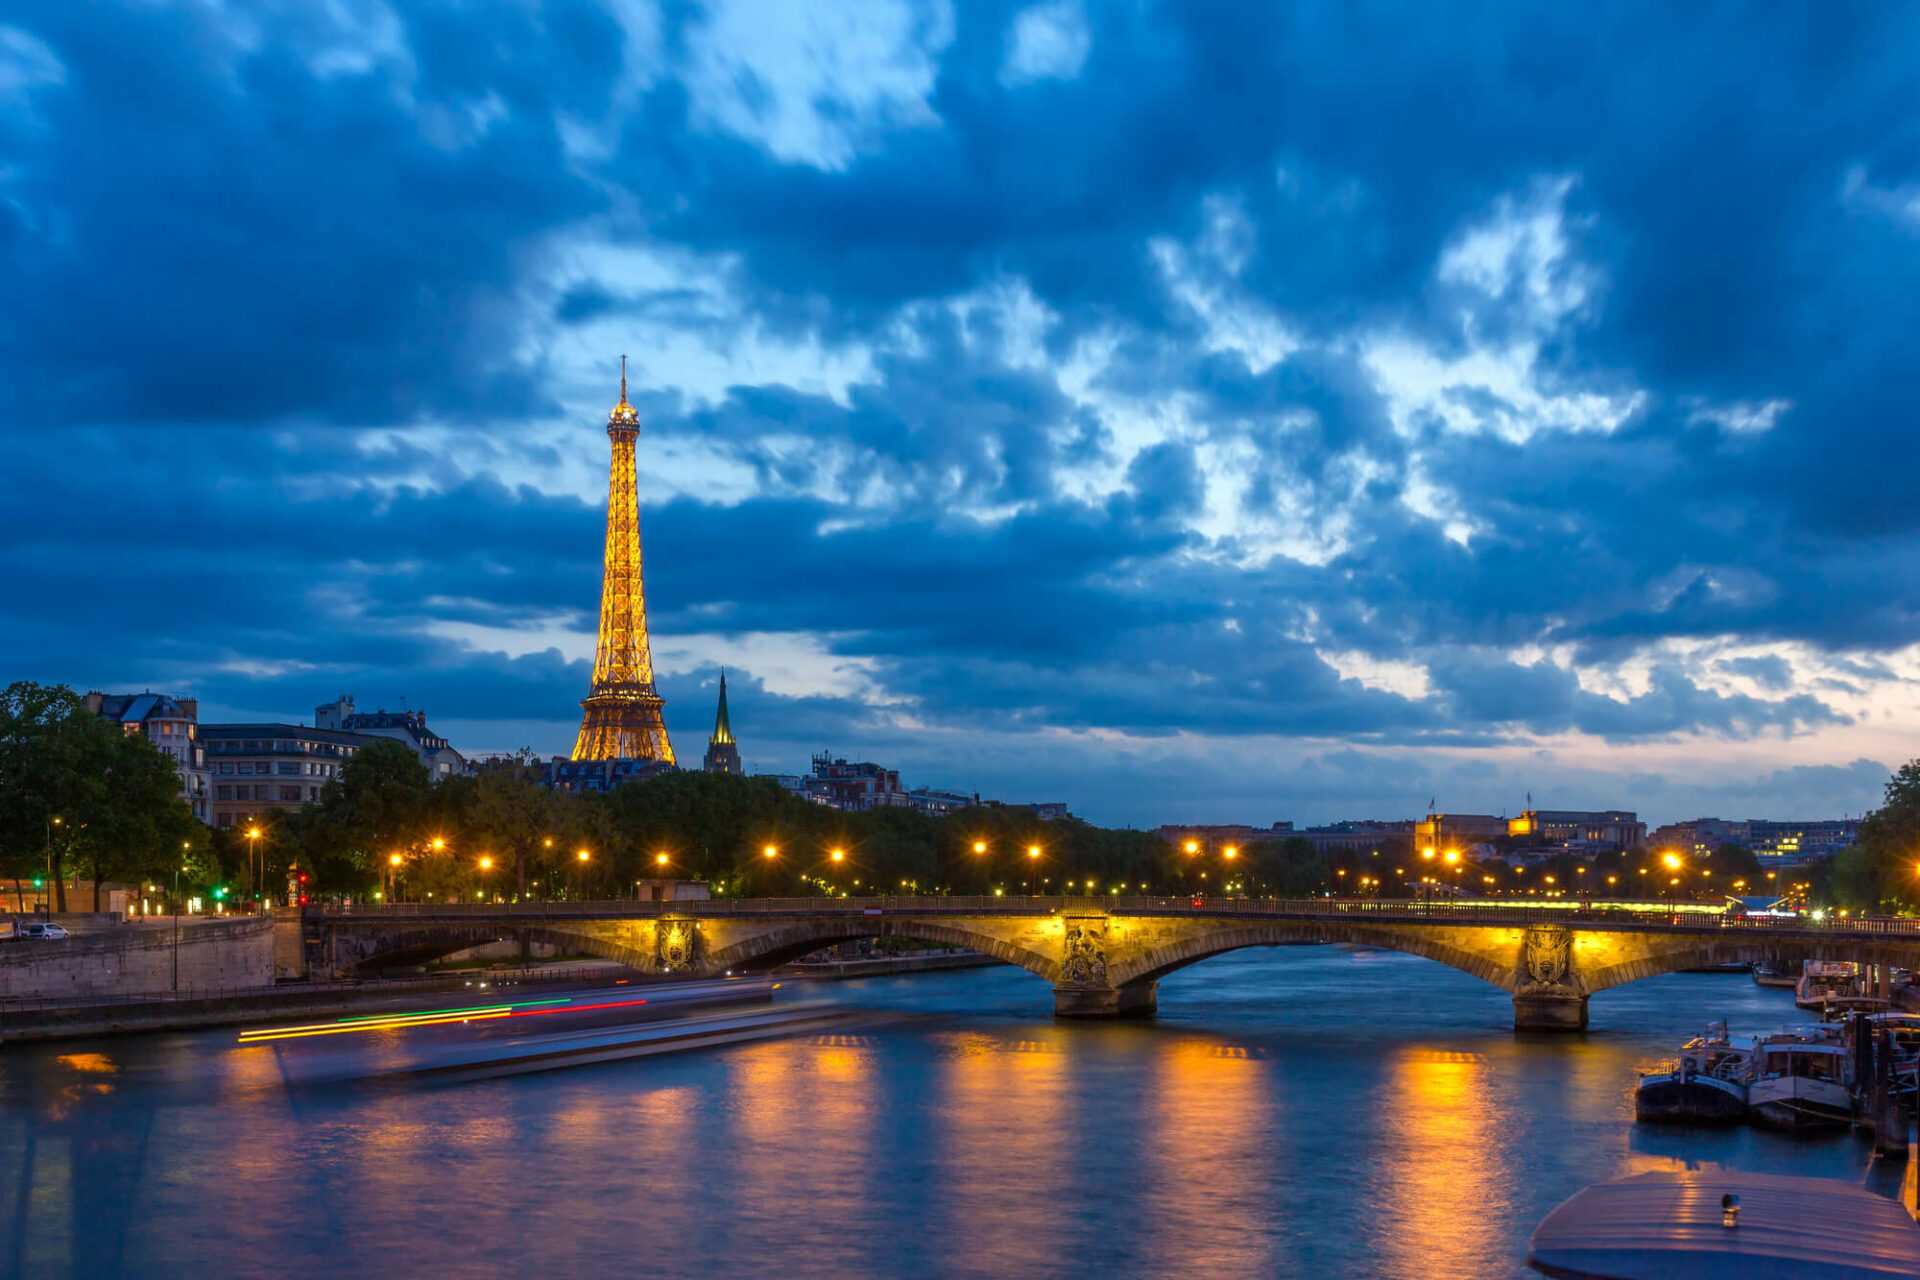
(1105, 956)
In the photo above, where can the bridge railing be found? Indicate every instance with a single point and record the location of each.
(1588, 912)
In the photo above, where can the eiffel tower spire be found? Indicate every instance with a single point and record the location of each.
(621, 713)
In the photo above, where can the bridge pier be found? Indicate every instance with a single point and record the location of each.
(1135, 1000)
(1549, 1011)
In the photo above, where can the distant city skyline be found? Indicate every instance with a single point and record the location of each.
(1024, 402)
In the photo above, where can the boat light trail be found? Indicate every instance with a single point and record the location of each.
(428, 1018)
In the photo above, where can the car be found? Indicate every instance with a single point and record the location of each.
(44, 932)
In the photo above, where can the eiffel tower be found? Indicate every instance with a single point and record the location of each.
(621, 714)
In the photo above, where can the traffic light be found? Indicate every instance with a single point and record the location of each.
(219, 892)
(39, 882)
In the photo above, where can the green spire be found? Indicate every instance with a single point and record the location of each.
(722, 730)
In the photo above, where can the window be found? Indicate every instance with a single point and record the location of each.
(246, 768)
(223, 793)
(290, 793)
(290, 768)
(226, 820)
(226, 767)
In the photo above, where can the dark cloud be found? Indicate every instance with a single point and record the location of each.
(212, 245)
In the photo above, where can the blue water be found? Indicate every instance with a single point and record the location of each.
(1311, 1111)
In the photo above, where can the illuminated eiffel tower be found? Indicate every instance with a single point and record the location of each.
(621, 713)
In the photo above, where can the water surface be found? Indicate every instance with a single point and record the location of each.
(1295, 1111)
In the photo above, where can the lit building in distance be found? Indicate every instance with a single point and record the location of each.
(1444, 830)
(410, 727)
(620, 716)
(723, 754)
(171, 724)
(1592, 828)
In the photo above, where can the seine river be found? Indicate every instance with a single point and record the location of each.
(1312, 1111)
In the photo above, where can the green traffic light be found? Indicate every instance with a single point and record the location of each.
(39, 882)
(220, 891)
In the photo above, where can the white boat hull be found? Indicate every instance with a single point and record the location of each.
(1796, 1102)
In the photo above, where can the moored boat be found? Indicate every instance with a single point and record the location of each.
(1707, 1085)
(1765, 975)
(1799, 1083)
(1825, 980)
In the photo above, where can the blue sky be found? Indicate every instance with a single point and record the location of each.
(1188, 411)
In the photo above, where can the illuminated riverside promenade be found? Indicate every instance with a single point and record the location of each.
(1105, 956)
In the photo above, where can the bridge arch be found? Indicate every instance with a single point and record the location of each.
(1158, 962)
(421, 944)
(772, 947)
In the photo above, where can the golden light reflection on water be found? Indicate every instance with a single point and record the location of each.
(1442, 1185)
(1002, 1152)
(1217, 1204)
(800, 1096)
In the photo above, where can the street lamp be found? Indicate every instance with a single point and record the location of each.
(253, 848)
(837, 854)
(770, 851)
(979, 846)
(393, 877)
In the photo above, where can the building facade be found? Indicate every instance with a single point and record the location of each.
(1361, 835)
(1785, 841)
(855, 786)
(1444, 830)
(409, 727)
(171, 724)
(562, 774)
(1597, 828)
(272, 768)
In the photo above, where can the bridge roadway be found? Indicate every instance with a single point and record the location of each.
(1105, 956)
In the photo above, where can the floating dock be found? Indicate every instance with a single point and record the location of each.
(1674, 1224)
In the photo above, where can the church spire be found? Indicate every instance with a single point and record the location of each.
(722, 727)
(723, 753)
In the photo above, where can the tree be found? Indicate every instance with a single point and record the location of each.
(379, 804)
(1879, 872)
(76, 786)
(509, 814)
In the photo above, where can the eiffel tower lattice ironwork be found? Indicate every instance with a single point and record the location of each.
(620, 717)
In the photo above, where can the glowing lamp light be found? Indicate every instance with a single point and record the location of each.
(771, 851)
(1231, 852)
(660, 859)
(1427, 853)
(393, 859)
(583, 855)
(838, 855)
(439, 843)
(979, 846)
(1453, 857)
(1193, 846)
(1671, 861)
(486, 862)
(1033, 851)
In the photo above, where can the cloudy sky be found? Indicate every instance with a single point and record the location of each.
(1190, 412)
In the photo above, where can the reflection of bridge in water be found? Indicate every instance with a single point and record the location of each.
(1106, 956)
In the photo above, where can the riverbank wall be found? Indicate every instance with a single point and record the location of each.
(141, 959)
